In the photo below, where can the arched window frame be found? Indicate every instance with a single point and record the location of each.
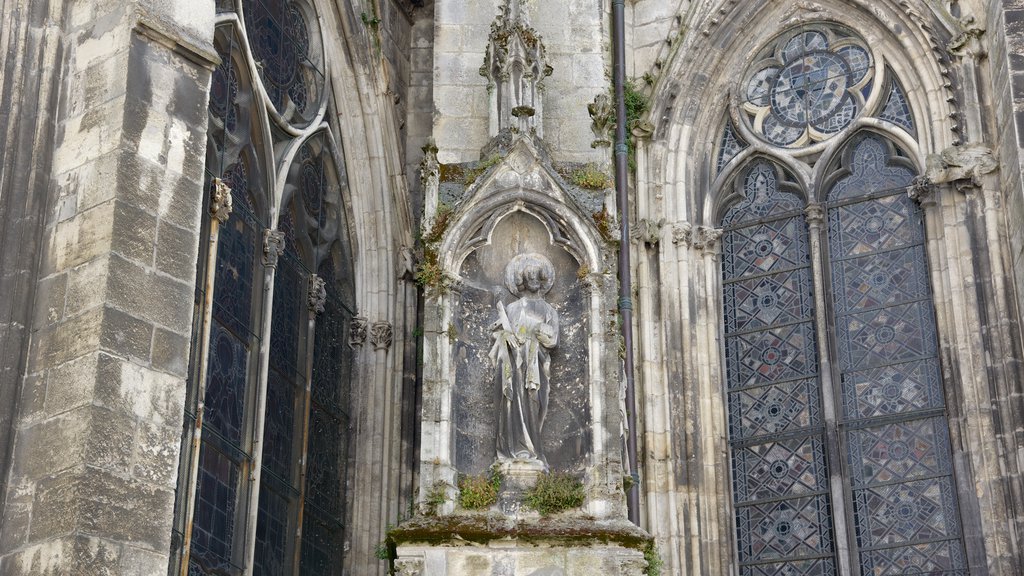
(314, 304)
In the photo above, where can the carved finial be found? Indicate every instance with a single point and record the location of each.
(515, 66)
(220, 200)
(273, 247)
(602, 120)
(317, 294)
(381, 335)
(357, 332)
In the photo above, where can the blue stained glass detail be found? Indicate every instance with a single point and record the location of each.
(772, 247)
(784, 353)
(236, 259)
(812, 87)
(280, 41)
(817, 567)
(761, 196)
(881, 279)
(897, 110)
(785, 530)
(872, 171)
(908, 512)
(891, 335)
(892, 390)
(321, 538)
(224, 91)
(867, 227)
(899, 451)
(763, 301)
(730, 145)
(773, 409)
(945, 557)
(779, 469)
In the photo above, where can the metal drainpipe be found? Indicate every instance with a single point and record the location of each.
(625, 282)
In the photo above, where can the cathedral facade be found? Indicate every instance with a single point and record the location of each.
(329, 287)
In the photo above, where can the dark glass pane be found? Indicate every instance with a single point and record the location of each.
(786, 529)
(779, 354)
(236, 258)
(213, 527)
(907, 512)
(899, 451)
(321, 541)
(226, 384)
(272, 534)
(866, 227)
(881, 279)
(886, 336)
(892, 390)
(730, 145)
(759, 302)
(945, 558)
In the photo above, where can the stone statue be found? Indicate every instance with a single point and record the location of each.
(524, 335)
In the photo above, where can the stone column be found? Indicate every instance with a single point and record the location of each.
(95, 456)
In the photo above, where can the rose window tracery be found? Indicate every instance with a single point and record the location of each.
(808, 86)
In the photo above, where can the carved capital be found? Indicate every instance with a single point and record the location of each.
(381, 335)
(922, 191)
(220, 200)
(357, 332)
(273, 247)
(815, 214)
(682, 232)
(317, 294)
(705, 238)
(409, 567)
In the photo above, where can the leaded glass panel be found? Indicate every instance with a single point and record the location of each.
(780, 483)
(730, 145)
(900, 468)
(897, 110)
(213, 528)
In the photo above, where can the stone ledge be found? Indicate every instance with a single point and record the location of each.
(482, 528)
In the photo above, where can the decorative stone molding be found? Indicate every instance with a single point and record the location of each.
(381, 335)
(682, 232)
(968, 41)
(647, 231)
(220, 200)
(317, 294)
(922, 191)
(969, 163)
(357, 332)
(705, 238)
(515, 66)
(602, 120)
(273, 247)
(409, 567)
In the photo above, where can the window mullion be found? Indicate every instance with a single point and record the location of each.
(317, 293)
(815, 217)
(273, 247)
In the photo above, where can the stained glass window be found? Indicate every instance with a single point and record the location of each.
(780, 474)
(301, 454)
(899, 458)
(897, 110)
(808, 85)
(730, 145)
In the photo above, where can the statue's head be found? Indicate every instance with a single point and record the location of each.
(529, 272)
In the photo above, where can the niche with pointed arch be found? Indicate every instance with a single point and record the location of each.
(565, 438)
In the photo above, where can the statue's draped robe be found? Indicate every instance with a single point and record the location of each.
(523, 337)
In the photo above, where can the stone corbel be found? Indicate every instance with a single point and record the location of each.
(815, 215)
(357, 332)
(220, 200)
(273, 247)
(602, 120)
(962, 166)
(922, 191)
(381, 335)
(647, 231)
(968, 41)
(317, 298)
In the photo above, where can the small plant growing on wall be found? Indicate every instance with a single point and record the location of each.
(590, 177)
(480, 491)
(554, 493)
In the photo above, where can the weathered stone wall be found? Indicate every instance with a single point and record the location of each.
(93, 468)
